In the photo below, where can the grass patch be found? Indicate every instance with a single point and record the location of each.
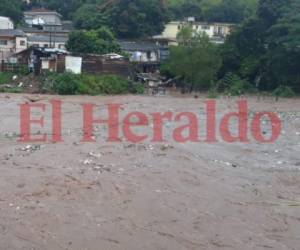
(85, 84)
(5, 77)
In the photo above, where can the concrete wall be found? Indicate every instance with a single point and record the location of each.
(48, 18)
(6, 23)
(211, 29)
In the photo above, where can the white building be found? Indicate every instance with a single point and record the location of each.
(6, 23)
(217, 32)
(42, 17)
(11, 42)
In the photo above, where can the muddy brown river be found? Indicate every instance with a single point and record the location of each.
(148, 195)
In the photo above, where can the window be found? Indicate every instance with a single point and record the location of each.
(179, 27)
(3, 42)
(45, 45)
(22, 43)
(205, 27)
(148, 55)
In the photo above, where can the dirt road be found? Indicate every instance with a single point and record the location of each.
(150, 196)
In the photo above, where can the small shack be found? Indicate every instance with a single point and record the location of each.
(42, 59)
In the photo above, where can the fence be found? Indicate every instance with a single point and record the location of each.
(13, 67)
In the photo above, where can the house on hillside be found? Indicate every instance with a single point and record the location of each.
(11, 42)
(42, 17)
(46, 29)
(145, 54)
(6, 23)
(217, 32)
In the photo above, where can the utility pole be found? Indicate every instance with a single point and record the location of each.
(50, 37)
(2, 60)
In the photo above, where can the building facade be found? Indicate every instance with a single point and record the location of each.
(42, 17)
(6, 23)
(217, 32)
(11, 42)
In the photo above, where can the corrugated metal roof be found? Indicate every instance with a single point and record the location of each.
(138, 46)
(46, 38)
(11, 33)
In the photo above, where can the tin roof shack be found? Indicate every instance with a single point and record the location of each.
(40, 60)
(146, 55)
(105, 64)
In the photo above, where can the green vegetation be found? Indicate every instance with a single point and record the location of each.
(12, 9)
(262, 54)
(212, 10)
(196, 61)
(71, 84)
(100, 41)
(265, 51)
(5, 78)
(283, 92)
(138, 18)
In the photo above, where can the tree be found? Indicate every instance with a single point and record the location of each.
(87, 18)
(137, 18)
(100, 41)
(196, 63)
(12, 9)
(185, 9)
(64, 7)
(265, 50)
(231, 11)
(185, 36)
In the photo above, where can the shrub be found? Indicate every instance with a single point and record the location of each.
(233, 85)
(212, 93)
(62, 84)
(5, 77)
(71, 84)
(284, 92)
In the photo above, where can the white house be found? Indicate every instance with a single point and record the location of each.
(11, 42)
(6, 23)
(217, 32)
(42, 17)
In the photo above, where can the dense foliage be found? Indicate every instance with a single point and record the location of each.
(265, 50)
(196, 61)
(100, 41)
(71, 84)
(12, 9)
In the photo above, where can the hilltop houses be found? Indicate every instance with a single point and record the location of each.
(217, 32)
(11, 40)
(43, 29)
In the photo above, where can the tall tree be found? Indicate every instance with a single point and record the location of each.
(99, 41)
(196, 61)
(266, 49)
(12, 9)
